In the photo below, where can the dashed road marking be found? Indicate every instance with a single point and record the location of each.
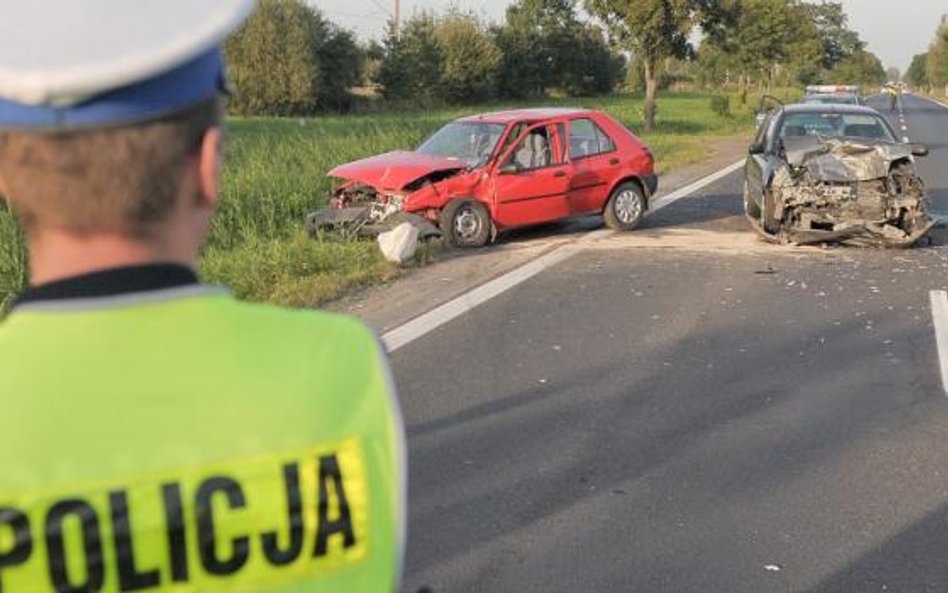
(427, 322)
(939, 299)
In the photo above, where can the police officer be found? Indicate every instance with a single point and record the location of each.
(156, 433)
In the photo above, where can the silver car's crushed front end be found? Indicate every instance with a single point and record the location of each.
(838, 190)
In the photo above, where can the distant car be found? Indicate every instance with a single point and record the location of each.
(833, 89)
(483, 174)
(833, 99)
(834, 173)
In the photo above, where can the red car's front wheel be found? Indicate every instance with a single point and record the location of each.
(466, 223)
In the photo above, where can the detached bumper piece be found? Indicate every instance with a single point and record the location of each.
(363, 221)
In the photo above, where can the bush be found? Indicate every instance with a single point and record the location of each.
(721, 105)
(470, 60)
(288, 60)
(411, 65)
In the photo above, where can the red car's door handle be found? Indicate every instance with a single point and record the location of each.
(559, 174)
(613, 161)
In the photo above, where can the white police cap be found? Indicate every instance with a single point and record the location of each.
(91, 63)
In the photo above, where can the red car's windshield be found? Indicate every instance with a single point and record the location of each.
(469, 142)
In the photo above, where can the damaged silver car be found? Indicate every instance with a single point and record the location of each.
(835, 174)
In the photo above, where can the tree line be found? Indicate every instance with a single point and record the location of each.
(930, 69)
(290, 60)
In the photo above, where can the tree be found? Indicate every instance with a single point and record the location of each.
(863, 68)
(892, 74)
(411, 66)
(593, 69)
(470, 59)
(546, 46)
(839, 42)
(288, 60)
(937, 63)
(523, 70)
(652, 30)
(769, 39)
(339, 59)
(917, 74)
(452, 58)
(272, 60)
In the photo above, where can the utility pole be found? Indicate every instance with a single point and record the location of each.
(396, 16)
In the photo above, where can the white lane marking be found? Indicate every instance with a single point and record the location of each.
(935, 101)
(905, 128)
(939, 300)
(686, 191)
(427, 322)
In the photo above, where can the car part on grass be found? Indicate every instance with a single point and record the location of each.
(399, 244)
(836, 190)
(357, 210)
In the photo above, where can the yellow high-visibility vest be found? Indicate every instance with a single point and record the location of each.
(185, 441)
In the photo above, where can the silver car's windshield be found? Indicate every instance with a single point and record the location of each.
(832, 99)
(836, 125)
(469, 142)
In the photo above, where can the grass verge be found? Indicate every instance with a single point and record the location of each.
(276, 173)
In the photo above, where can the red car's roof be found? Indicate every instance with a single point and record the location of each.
(524, 114)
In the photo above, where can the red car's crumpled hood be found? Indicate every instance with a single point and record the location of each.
(394, 170)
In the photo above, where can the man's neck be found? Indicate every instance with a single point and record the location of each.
(55, 255)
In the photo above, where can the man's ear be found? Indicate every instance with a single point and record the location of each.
(209, 165)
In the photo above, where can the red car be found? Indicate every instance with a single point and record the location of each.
(483, 174)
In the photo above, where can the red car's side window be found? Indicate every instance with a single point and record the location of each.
(587, 139)
(537, 149)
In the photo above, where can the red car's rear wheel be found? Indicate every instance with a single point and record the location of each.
(625, 208)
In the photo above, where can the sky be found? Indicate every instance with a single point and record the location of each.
(895, 30)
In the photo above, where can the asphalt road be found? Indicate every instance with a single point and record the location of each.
(724, 418)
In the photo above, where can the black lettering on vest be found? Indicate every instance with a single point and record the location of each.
(91, 543)
(22, 539)
(329, 471)
(130, 579)
(174, 522)
(207, 545)
(294, 503)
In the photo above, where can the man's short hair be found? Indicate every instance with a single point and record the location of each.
(124, 179)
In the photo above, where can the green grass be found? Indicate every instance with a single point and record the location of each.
(276, 173)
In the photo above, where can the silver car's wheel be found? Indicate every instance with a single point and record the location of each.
(750, 206)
